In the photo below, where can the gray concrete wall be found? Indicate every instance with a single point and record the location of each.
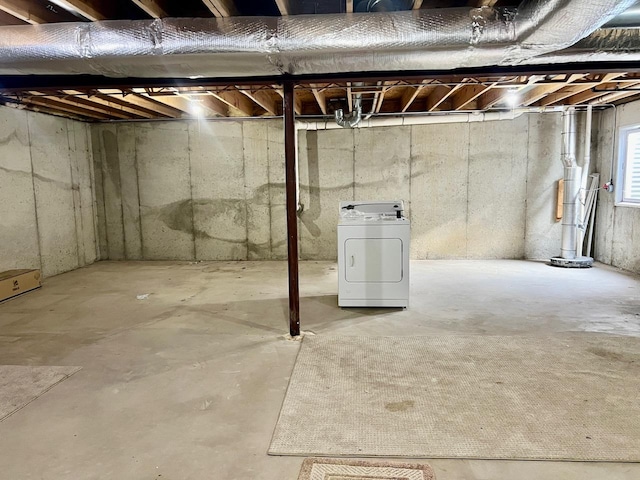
(46, 193)
(193, 190)
(617, 234)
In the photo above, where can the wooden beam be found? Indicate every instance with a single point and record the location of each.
(48, 111)
(186, 103)
(439, 95)
(297, 101)
(285, 7)
(348, 6)
(154, 104)
(221, 8)
(7, 19)
(538, 93)
(320, 97)
(349, 97)
(410, 95)
(236, 100)
(468, 94)
(417, 4)
(153, 8)
(94, 11)
(591, 95)
(491, 98)
(65, 107)
(97, 106)
(32, 12)
(292, 207)
(262, 98)
(385, 88)
(126, 106)
(614, 97)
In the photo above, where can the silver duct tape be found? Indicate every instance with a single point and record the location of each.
(439, 39)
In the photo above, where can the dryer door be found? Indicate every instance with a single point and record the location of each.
(377, 260)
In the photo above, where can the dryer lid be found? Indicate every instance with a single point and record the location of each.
(375, 210)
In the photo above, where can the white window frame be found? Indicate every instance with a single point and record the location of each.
(621, 170)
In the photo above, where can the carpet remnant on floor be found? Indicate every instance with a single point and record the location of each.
(20, 385)
(340, 469)
(563, 397)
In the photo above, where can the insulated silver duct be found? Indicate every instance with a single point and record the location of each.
(438, 39)
(603, 45)
(572, 180)
(354, 117)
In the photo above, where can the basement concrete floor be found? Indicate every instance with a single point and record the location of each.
(188, 383)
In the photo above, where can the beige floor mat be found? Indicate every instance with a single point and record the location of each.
(573, 397)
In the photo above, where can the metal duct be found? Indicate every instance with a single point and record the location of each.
(438, 39)
(354, 117)
(572, 180)
(603, 45)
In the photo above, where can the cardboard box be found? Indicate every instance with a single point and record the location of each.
(17, 282)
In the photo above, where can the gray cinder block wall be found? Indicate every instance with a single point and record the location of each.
(46, 194)
(191, 190)
(617, 234)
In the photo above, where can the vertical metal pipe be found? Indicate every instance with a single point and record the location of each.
(572, 180)
(291, 200)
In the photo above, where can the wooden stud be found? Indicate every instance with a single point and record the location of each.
(348, 6)
(560, 200)
(417, 4)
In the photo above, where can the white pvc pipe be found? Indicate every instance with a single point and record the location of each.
(586, 166)
(418, 120)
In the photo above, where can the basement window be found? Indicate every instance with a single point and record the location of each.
(629, 166)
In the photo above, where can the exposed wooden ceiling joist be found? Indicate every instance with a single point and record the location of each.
(32, 12)
(6, 19)
(284, 6)
(91, 10)
(97, 106)
(222, 8)
(410, 94)
(236, 100)
(65, 107)
(263, 99)
(154, 104)
(467, 95)
(320, 98)
(439, 95)
(153, 8)
(128, 106)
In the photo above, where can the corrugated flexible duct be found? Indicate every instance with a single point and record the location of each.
(438, 39)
